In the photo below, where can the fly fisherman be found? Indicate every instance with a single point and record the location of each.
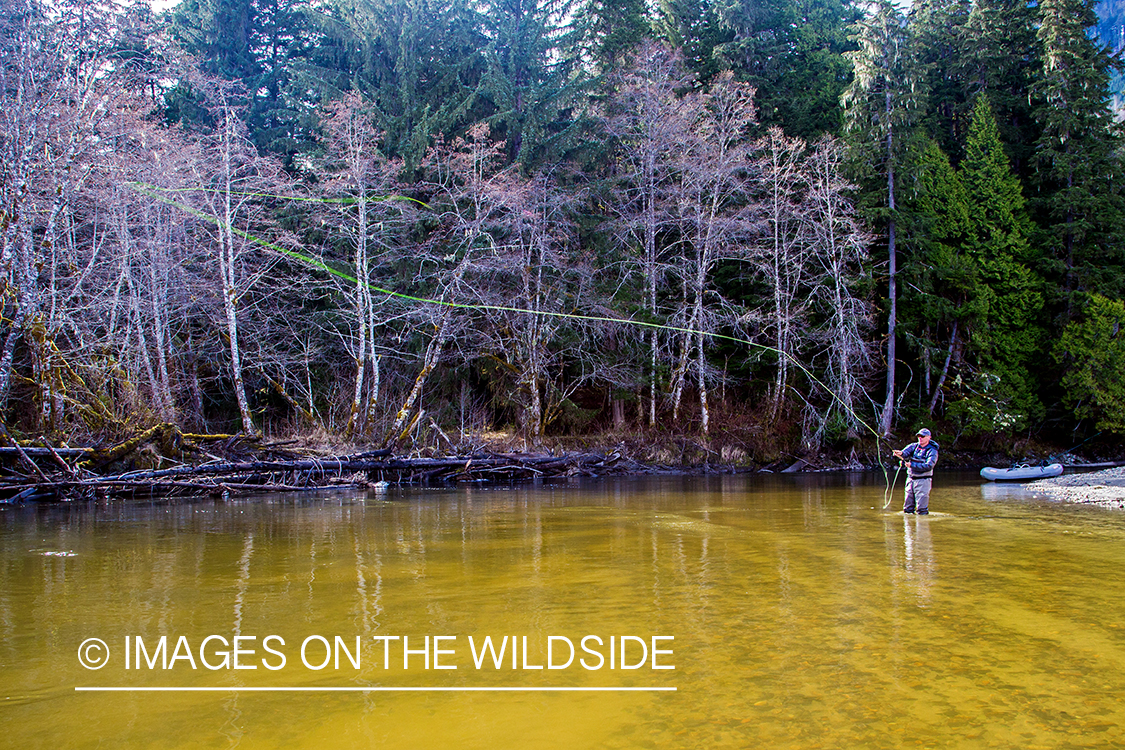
(920, 458)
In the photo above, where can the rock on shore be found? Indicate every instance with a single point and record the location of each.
(1106, 488)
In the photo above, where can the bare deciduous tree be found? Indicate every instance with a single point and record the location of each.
(649, 122)
(361, 183)
(530, 281)
(781, 257)
(57, 87)
(233, 181)
(838, 243)
(461, 177)
(712, 219)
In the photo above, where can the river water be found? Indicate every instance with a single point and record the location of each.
(786, 612)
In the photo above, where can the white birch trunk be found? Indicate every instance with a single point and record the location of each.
(158, 294)
(229, 271)
(680, 374)
(650, 275)
(886, 419)
(429, 362)
(944, 370)
(362, 314)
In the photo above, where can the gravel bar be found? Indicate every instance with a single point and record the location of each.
(1106, 488)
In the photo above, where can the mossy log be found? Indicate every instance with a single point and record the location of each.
(166, 441)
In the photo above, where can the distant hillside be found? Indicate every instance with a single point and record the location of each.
(1111, 31)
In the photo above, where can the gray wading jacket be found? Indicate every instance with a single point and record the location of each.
(922, 460)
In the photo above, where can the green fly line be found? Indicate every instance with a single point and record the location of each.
(160, 194)
(153, 191)
(889, 494)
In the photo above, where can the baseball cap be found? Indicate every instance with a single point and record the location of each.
(923, 432)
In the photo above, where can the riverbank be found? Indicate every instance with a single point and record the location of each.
(731, 453)
(1105, 488)
(163, 460)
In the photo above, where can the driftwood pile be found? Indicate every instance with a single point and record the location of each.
(165, 462)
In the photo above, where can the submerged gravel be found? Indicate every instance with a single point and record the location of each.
(1105, 487)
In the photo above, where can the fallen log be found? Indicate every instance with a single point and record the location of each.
(45, 452)
(21, 452)
(309, 473)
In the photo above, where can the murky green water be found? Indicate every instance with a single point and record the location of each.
(802, 614)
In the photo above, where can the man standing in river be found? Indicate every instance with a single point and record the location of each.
(920, 458)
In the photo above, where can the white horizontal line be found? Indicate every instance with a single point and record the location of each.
(371, 689)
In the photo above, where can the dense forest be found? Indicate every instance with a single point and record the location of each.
(803, 221)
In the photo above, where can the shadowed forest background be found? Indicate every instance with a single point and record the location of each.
(791, 223)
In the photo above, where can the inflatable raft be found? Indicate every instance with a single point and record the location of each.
(1021, 473)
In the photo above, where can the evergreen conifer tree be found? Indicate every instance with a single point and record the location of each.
(418, 61)
(997, 55)
(529, 85)
(941, 280)
(256, 43)
(935, 26)
(973, 304)
(792, 52)
(879, 107)
(1008, 337)
(1078, 167)
(1094, 350)
(610, 31)
(695, 28)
